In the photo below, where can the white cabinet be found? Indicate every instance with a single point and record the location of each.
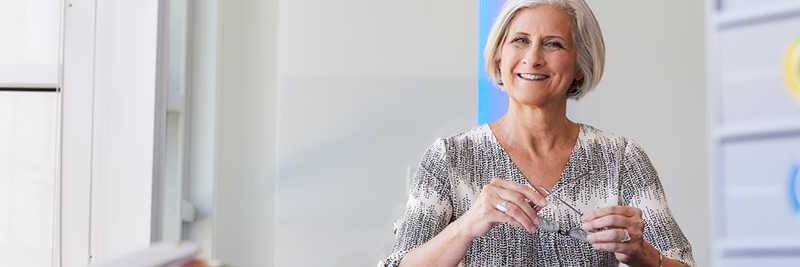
(27, 177)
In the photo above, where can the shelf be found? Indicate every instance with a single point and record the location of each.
(736, 18)
(753, 247)
(767, 129)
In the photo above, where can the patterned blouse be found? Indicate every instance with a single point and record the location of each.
(454, 170)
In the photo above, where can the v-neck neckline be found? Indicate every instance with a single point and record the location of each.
(520, 177)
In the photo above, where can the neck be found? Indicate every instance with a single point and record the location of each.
(536, 129)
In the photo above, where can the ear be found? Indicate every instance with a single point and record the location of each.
(579, 76)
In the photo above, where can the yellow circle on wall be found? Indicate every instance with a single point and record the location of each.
(791, 68)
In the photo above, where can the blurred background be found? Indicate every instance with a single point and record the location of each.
(285, 133)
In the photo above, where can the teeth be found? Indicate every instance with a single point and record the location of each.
(533, 76)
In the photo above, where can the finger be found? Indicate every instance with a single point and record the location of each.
(613, 247)
(612, 221)
(507, 218)
(607, 236)
(495, 216)
(516, 214)
(520, 201)
(612, 210)
(528, 192)
(537, 208)
(533, 196)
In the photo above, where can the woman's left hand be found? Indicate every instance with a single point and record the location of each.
(617, 220)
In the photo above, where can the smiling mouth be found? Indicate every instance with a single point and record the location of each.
(536, 77)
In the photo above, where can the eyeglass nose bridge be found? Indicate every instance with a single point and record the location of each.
(562, 232)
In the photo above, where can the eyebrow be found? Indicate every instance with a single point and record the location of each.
(556, 36)
(546, 37)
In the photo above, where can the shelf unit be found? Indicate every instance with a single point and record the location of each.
(754, 132)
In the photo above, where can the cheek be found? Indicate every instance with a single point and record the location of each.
(508, 59)
(565, 64)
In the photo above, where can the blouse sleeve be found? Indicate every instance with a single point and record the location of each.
(641, 188)
(429, 208)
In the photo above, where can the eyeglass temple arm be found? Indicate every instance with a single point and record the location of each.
(568, 183)
(559, 199)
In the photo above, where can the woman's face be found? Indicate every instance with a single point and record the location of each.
(538, 59)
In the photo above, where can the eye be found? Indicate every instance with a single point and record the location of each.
(521, 40)
(553, 44)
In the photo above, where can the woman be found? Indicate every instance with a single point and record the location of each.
(473, 201)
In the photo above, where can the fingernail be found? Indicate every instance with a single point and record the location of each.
(584, 218)
(537, 221)
(589, 237)
(543, 202)
(533, 230)
(585, 226)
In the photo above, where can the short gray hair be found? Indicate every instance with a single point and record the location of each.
(586, 36)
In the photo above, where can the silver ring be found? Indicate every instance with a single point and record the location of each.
(502, 206)
(627, 236)
(534, 205)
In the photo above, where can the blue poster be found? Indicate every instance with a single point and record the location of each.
(492, 102)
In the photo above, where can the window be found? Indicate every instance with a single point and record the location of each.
(176, 210)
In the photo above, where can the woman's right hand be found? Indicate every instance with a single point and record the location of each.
(449, 246)
(523, 203)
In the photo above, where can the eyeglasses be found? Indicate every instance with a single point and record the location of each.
(551, 226)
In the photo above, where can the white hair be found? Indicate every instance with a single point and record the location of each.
(586, 35)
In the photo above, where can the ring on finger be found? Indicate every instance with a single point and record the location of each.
(627, 236)
(534, 205)
(502, 206)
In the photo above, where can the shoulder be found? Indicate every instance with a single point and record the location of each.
(475, 138)
(590, 134)
(461, 148)
(448, 154)
(472, 137)
(596, 138)
(624, 158)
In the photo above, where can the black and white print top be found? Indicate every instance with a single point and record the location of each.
(454, 170)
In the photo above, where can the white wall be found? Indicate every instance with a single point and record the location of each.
(365, 87)
(654, 91)
(245, 132)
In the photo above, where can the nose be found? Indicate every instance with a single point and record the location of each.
(534, 57)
